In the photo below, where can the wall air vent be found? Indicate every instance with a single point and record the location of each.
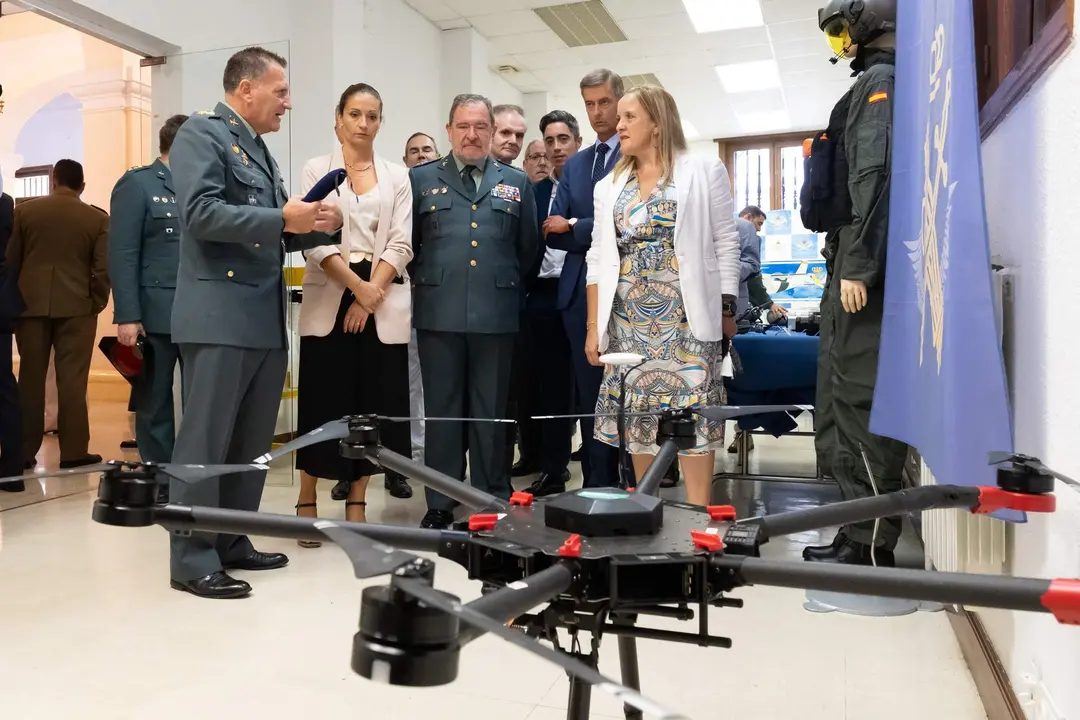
(581, 23)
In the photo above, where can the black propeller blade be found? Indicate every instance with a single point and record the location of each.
(720, 413)
(370, 558)
(333, 430)
(85, 470)
(428, 595)
(1000, 458)
(182, 472)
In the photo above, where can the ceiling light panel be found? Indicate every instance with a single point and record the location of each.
(749, 76)
(581, 23)
(713, 15)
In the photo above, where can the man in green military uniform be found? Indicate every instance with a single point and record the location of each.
(474, 235)
(854, 212)
(144, 252)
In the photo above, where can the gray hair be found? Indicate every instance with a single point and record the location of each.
(471, 99)
(601, 77)
(500, 109)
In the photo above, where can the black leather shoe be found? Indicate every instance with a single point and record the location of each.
(216, 585)
(340, 491)
(397, 485)
(258, 561)
(548, 484)
(80, 462)
(13, 486)
(823, 552)
(853, 553)
(576, 455)
(522, 468)
(437, 520)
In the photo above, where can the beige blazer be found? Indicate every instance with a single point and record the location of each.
(706, 245)
(393, 244)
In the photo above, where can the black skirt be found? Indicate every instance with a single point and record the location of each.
(346, 374)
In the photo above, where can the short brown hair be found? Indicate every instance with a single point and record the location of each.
(168, 131)
(249, 64)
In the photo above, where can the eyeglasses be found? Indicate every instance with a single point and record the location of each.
(536, 157)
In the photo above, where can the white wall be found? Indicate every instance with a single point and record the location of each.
(1031, 167)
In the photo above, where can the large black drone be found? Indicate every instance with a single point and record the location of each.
(598, 558)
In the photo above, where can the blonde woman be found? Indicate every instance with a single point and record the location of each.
(356, 318)
(662, 281)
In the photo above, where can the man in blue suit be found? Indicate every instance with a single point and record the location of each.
(569, 228)
(550, 351)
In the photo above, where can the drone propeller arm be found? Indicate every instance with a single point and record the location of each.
(651, 478)
(518, 598)
(1059, 597)
(926, 497)
(243, 522)
(462, 492)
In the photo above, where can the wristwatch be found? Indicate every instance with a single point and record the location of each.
(729, 306)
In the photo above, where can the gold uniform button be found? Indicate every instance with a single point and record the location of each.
(474, 207)
(475, 244)
(168, 214)
(475, 226)
(473, 263)
(257, 245)
(432, 207)
(230, 273)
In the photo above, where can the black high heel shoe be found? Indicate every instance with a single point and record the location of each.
(307, 543)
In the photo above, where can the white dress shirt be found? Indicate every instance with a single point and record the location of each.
(551, 265)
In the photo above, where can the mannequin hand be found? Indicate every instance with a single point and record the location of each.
(592, 347)
(356, 318)
(853, 295)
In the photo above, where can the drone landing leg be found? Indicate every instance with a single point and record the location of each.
(580, 703)
(628, 662)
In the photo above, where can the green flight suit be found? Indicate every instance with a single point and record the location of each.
(848, 351)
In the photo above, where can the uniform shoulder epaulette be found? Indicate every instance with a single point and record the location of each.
(428, 162)
(205, 113)
(101, 210)
(137, 167)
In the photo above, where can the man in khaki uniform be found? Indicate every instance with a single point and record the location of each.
(58, 249)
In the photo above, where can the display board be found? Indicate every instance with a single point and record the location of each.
(792, 267)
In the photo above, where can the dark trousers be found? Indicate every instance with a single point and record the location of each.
(847, 374)
(521, 398)
(466, 370)
(550, 375)
(231, 401)
(155, 419)
(599, 461)
(72, 341)
(11, 459)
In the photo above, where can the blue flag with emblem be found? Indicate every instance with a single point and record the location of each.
(941, 383)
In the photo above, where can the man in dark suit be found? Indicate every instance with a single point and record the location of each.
(11, 306)
(569, 228)
(549, 351)
(236, 224)
(58, 248)
(474, 237)
(144, 252)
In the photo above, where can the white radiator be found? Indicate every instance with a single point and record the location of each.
(958, 541)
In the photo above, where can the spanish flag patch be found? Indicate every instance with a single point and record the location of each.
(878, 97)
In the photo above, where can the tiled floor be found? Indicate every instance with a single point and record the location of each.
(89, 629)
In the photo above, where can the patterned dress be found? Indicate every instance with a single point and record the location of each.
(648, 319)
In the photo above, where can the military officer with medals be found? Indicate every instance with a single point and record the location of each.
(144, 252)
(474, 237)
(237, 223)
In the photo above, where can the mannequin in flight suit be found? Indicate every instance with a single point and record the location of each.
(847, 197)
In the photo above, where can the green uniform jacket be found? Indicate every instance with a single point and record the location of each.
(144, 247)
(472, 251)
(230, 289)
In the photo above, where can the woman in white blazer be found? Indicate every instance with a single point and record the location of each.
(662, 280)
(356, 316)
